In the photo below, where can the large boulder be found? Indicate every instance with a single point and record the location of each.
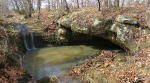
(83, 22)
(129, 37)
(121, 30)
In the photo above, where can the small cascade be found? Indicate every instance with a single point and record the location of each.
(27, 36)
(26, 45)
(32, 41)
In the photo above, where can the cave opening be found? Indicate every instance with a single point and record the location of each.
(95, 42)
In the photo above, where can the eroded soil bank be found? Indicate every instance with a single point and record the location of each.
(11, 53)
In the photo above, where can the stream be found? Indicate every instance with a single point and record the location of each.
(55, 60)
(48, 61)
(43, 62)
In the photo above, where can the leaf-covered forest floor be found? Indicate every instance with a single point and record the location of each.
(107, 66)
(113, 67)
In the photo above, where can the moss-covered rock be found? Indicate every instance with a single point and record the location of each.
(49, 79)
(11, 55)
(123, 30)
(127, 20)
(95, 76)
(61, 35)
(9, 42)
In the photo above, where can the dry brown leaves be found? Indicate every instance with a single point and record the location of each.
(133, 71)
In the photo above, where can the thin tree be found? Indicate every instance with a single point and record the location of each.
(123, 1)
(148, 3)
(29, 12)
(117, 3)
(78, 4)
(66, 6)
(39, 8)
(16, 5)
(148, 13)
(106, 3)
(49, 5)
(82, 3)
(99, 5)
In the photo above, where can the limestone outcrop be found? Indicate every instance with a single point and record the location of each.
(122, 30)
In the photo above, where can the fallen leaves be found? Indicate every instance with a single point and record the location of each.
(134, 70)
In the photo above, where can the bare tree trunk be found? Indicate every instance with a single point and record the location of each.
(148, 13)
(106, 3)
(66, 6)
(16, 5)
(49, 5)
(82, 3)
(57, 6)
(78, 4)
(123, 1)
(148, 3)
(3, 8)
(117, 2)
(39, 8)
(99, 5)
(62, 3)
(29, 13)
(13, 4)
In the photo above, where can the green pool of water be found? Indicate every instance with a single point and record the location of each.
(55, 60)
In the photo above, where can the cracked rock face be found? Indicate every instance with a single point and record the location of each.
(123, 30)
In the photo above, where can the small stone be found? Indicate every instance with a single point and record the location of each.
(49, 79)
(120, 59)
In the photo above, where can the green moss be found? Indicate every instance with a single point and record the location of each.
(121, 31)
(50, 79)
(65, 21)
(61, 35)
(97, 20)
(10, 44)
(79, 29)
(97, 76)
(88, 79)
(55, 15)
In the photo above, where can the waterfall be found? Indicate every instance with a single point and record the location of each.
(26, 45)
(32, 41)
(27, 36)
